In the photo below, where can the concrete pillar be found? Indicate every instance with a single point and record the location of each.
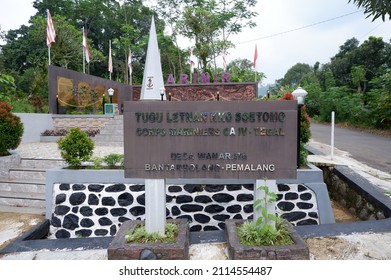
(155, 205)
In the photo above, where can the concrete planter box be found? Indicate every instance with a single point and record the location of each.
(236, 251)
(119, 249)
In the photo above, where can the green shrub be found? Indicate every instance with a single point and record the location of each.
(114, 160)
(251, 234)
(76, 147)
(97, 162)
(11, 129)
(261, 232)
(140, 235)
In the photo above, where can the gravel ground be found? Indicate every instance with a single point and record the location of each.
(367, 246)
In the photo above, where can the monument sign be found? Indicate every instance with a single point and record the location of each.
(221, 140)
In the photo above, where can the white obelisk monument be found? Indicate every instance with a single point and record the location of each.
(155, 189)
(153, 74)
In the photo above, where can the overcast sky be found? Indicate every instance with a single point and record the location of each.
(321, 26)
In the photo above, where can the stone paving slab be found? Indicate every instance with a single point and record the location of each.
(51, 151)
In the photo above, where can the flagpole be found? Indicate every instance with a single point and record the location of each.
(84, 57)
(130, 72)
(255, 61)
(110, 57)
(129, 66)
(50, 33)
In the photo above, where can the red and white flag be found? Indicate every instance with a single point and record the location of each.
(192, 61)
(85, 45)
(110, 59)
(50, 32)
(255, 56)
(224, 61)
(130, 62)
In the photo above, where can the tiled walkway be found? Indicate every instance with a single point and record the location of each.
(51, 151)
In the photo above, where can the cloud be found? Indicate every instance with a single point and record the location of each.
(305, 31)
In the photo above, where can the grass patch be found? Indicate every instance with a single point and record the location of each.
(251, 234)
(140, 235)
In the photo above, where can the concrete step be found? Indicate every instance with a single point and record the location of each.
(23, 191)
(16, 199)
(109, 138)
(23, 209)
(112, 144)
(41, 163)
(113, 126)
(27, 173)
(22, 185)
(112, 133)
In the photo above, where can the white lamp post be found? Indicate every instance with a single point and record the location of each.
(162, 93)
(299, 95)
(110, 91)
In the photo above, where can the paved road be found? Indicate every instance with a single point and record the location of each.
(372, 149)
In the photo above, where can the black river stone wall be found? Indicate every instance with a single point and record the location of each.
(92, 210)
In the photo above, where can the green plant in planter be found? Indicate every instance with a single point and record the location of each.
(97, 162)
(268, 229)
(11, 129)
(140, 235)
(114, 160)
(76, 147)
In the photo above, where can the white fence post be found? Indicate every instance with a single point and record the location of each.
(332, 134)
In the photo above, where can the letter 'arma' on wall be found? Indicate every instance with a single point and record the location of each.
(203, 78)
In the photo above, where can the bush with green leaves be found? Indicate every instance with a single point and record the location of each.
(268, 229)
(76, 147)
(11, 129)
(114, 160)
(380, 102)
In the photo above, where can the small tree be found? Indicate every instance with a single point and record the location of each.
(76, 147)
(261, 232)
(11, 129)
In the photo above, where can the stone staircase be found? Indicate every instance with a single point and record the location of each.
(23, 190)
(112, 134)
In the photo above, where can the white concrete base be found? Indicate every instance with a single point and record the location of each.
(155, 205)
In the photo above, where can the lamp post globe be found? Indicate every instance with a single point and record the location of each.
(110, 91)
(299, 95)
(162, 93)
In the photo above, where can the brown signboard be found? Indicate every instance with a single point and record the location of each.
(215, 139)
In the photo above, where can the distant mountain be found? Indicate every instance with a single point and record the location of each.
(262, 90)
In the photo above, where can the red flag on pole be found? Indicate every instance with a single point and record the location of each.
(85, 45)
(192, 61)
(130, 62)
(50, 32)
(224, 61)
(110, 59)
(255, 55)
